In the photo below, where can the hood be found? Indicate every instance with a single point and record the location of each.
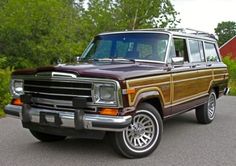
(117, 71)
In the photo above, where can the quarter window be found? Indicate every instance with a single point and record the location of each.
(211, 53)
(196, 50)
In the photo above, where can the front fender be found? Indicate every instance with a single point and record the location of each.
(144, 94)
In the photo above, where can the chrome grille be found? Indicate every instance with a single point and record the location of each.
(58, 95)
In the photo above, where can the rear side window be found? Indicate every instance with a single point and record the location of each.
(196, 51)
(181, 48)
(211, 52)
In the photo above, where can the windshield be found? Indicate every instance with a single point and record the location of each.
(140, 46)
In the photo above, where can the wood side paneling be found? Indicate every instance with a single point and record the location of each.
(177, 87)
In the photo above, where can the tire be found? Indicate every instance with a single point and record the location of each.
(46, 137)
(205, 113)
(143, 135)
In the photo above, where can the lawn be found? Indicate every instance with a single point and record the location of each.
(1, 113)
(232, 86)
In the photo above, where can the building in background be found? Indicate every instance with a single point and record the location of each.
(229, 48)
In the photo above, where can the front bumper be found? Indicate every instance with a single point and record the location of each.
(226, 91)
(74, 120)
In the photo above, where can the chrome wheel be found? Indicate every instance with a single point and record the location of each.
(211, 106)
(142, 133)
(205, 113)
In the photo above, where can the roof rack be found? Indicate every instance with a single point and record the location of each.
(182, 30)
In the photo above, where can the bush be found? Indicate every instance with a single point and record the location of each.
(231, 64)
(5, 96)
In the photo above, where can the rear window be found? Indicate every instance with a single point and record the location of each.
(211, 52)
(196, 51)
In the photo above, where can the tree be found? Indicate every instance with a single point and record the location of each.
(133, 14)
(225, 31)
(37, 32)
(106, 15)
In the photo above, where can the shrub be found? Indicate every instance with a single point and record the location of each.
(5, 96)
(231, 64)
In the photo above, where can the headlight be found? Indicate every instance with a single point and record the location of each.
(17, 87)
(105, 93)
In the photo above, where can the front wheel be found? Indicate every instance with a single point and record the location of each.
(143, 135)
(206, 113)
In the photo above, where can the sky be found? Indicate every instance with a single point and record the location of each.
(204, 15)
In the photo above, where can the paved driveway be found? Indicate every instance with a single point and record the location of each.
(184, 143)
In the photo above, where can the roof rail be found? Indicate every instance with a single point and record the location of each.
(182, 30)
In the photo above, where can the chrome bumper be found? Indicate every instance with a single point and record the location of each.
(70, 119)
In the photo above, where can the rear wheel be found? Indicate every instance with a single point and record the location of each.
(46, 137)
(143, 135)
(206, 113)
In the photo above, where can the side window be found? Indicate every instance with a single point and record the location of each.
(196, 51)
(181, 49)
(211, 53)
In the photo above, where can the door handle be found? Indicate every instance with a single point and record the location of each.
(195, 65)
(209, 65)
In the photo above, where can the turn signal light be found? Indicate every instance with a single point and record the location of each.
(109, 111)
(16, 102)
(131, 91)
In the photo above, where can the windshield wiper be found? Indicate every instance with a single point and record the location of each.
(123, 60)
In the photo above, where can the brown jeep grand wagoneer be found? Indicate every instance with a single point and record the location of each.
(125, 84)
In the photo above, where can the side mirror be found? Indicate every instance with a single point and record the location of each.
(177, 60)
(59, 61)
(78, 58)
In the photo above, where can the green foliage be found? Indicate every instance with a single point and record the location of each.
(5, 96)
(105, 15)
(231, 64)
(37, 32)
(225, 31)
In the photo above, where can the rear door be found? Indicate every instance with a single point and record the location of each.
(198, 61)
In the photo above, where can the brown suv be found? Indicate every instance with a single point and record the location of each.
(126, 84)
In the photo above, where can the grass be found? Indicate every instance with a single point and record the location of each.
(232, 85)
(1, 113)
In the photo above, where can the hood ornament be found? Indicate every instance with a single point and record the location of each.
(55, 74)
